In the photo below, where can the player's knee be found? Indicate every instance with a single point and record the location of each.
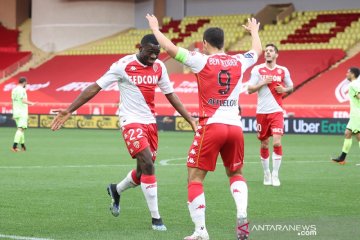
(146, 165)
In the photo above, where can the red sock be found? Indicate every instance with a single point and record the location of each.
(194, 190)
(236, 178)
(134, 178)
(264, 153)
(278, 150)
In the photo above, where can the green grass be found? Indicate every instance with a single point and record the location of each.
(57, 189)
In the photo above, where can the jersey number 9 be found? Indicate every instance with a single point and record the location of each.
(224, 81)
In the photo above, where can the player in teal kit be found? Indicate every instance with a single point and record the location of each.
(353, 126)
(20, 113)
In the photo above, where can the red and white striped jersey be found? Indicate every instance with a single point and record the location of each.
(137, 83)
(269, 101)
(219, 78)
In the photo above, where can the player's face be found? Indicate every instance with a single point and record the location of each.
(349, 75)
(270, 54)
(149, 53)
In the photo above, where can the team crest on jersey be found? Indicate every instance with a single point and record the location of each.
(136, 144)
(155, 67)
(279, 71)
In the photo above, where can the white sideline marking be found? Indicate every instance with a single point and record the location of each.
(22, 238)
(357, 164)
(165, 162)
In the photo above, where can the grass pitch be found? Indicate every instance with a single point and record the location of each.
(57, 189)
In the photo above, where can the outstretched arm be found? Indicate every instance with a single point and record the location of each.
(253, 27)
(175, 102)
(84, 97)
(164, 42)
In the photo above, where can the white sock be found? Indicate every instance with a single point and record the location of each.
(149, 188)
(197, 212)
(126, 183)
(265, 164)
(239, 192)
(276, 159)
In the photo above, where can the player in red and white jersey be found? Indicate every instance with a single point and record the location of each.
(137, 76)
(219, 78)
(270, 81)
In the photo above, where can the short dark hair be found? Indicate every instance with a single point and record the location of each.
(355, 71)
(22, 79)
(149, 38)
(215, 37)
(272, 45)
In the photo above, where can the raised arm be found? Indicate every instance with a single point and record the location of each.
(164, 42)
(253, 27)
(175, 102)
(84, 97)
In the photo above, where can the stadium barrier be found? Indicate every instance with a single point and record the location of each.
(176, 123)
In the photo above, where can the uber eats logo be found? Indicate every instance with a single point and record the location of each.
(332, 127)
(313, 125)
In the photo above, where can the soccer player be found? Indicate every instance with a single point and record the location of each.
(219, 79)
(20, 113)
(137, 76)
(353, 126)
(270, 81)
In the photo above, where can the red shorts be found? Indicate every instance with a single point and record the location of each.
(215, 138)
(139, 136)
(269, 124)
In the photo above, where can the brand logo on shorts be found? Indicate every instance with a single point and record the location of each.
(191, 160)
(277, 130)
(237, 164)
(136, 144)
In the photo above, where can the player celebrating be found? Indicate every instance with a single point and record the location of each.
(353, 126)
(137, 76)
(271, 81)
(20, 113)
(219, 79)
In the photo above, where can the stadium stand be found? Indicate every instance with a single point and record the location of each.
(75, 72)
(10, 57)
(310, 43)
(182, 32)
(313, 30)
(325, 95)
